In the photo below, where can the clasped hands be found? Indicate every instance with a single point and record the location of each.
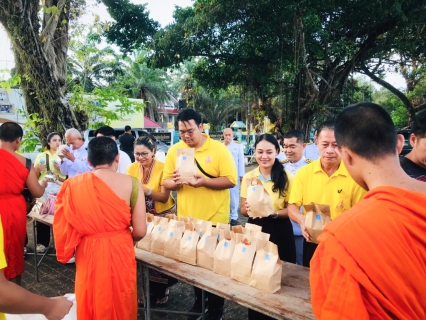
(200, 181)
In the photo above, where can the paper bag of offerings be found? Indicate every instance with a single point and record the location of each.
(267, 269)
(175, 231)
(201, 226)
(252, 229)
(188, 245)
(159, 235)
(222, 226)
(223, 253)
(145, 242)
(317, 216)
(258, 199)
(243, 257)
(185, 163)
(206, 248)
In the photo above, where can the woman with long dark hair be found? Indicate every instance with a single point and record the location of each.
(277, 182)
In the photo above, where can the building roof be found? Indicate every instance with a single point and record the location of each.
(149, 124)
(238, 124)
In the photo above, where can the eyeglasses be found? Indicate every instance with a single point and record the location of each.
(143, 154)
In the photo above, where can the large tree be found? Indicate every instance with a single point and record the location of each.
(40, 47)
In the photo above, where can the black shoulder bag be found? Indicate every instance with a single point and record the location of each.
(29, 199)
(202, 170)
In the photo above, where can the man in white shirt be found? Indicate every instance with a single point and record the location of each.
(124, 160)
(74, 159)
(311, 151)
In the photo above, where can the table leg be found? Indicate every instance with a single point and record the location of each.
(203, 304)
(146, 300)
(35, 250)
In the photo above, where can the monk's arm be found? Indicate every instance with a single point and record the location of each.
(334, 292)
(139, 216)
(35, 186)
(16, 300)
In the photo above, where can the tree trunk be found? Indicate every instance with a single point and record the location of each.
(42, 67)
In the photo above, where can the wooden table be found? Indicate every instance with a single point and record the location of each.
(292, 301)
(48, 220)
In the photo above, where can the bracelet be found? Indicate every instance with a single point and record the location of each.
(276, 215)
(149, 192)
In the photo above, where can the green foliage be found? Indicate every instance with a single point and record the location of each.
(30, 141)
(12, 82)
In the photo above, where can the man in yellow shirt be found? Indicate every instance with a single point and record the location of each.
(208, 197)
(324, 181)
(16, 300)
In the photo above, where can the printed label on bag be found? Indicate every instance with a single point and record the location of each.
(189, 238)
(253, 188)
(184, 158)
(218, 236)
(205, 239)
(159, 229)
(318, 217)
(226, 244)
(147, 225)
(201, 234)
(244, 250)
(171, 234)
(268, 256)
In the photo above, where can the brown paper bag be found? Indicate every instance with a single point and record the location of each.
(258, 199)
(175, 231)
(222, 226)
(252, 229)
(262, 239)
(201, 226)
(185, 163)
(206, 248)
(267, 269)
(243, 257)
(188, 245)
(171, 216)
(317, 216)
(145, 242)
(159, 234)
(223, 253)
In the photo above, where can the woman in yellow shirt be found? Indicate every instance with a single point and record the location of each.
(277, 182)
(48, 162)
(158, 200)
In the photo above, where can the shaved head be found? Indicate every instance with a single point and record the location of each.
(228, 135)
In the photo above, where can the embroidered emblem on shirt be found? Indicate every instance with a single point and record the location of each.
(208, 159)
(339, 191)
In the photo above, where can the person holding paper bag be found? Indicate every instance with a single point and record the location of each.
(207, 197)
(325, 181)
(277, 182)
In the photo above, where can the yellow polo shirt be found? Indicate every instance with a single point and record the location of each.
(278, 202)
(203, 203)
(2, 260)
(52, 160)
(312, 184)
(155, 182)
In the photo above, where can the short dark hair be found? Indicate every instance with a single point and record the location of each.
(278, 135)
(10, 131)
(295, 134)
(366, 129)
(147, 141)
(326, 125)
(49, 137)
(102, 150)
(127, 128)
(106, 131)
(419, 125)
(186, 115)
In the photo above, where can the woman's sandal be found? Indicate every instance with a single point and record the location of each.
(163, 300)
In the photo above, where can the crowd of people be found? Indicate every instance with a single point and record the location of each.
(370, 261)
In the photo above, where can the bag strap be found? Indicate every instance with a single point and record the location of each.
(202, 170)
(135, 193)
(28, 164)
(47, 163)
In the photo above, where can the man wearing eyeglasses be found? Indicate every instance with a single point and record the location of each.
(207, 198)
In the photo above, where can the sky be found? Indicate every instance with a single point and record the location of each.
(161, 11)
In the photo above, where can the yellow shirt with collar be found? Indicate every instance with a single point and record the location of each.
(155, 182)
(52, 160)
(312, 184)
(3, 263)
(278, 201)
(204, 203)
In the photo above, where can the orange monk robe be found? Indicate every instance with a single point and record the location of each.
(371, 261)
(13, 209)
(90, 217)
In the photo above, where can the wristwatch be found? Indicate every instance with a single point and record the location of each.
(276, 215)
(149, 192)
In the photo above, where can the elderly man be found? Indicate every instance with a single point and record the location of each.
(208, 196)
(124, 160)
(324, 181)
(74, 159)
(294, 146)
(238, 155)
(414, 163)
(370, 263)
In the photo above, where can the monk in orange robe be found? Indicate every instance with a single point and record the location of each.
(370, 263)
(93, 219)
(13, 177)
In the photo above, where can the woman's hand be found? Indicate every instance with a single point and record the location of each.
(39, 168)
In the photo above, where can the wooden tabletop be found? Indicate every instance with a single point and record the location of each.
(292, 301)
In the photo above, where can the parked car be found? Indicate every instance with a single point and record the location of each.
(407, 146)
(161, 146)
